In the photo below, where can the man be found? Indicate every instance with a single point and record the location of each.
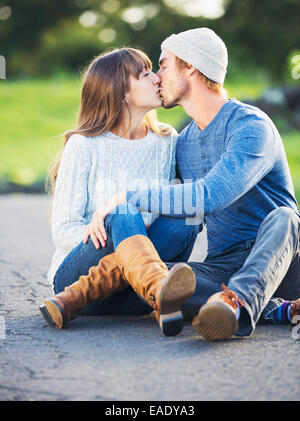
(236, 177)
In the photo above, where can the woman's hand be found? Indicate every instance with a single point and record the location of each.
(96, 229)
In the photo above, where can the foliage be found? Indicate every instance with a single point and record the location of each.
(42, 37)
(262, 33)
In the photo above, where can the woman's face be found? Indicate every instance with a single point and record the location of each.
(144, 92)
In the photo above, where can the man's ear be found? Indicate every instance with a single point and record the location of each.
(191, 70)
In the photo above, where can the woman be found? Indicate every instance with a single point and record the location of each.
(118, 144)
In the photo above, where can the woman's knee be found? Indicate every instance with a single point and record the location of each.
(119, 214)
(126, 208)
(189, 230)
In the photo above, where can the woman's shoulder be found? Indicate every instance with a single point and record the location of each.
(77, 139)
(75, 143)
(79, 145)
(86, 143)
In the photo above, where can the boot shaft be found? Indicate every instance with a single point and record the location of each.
(142, 267)
(101, 281)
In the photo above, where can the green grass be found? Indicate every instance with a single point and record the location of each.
(292, 148)
(35, 112)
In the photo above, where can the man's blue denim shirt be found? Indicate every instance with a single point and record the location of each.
(234, 173)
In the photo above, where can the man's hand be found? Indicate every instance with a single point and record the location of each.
(96, 229)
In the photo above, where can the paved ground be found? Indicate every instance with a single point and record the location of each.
(118, 358)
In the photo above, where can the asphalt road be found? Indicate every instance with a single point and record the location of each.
(118, 358)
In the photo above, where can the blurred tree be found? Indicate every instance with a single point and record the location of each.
(40, 37)
(262, 32)
(29, 19)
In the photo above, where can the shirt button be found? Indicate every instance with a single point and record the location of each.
(202, 142)
(203, 155)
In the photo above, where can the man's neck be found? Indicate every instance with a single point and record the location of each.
(203, 105)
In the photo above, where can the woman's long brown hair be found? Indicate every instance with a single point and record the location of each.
(105, 84)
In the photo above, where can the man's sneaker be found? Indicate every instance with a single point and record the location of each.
(295, 311)
(218, 318)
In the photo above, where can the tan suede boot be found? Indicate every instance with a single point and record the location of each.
(101, 282)
(164, 290)
(217, 319)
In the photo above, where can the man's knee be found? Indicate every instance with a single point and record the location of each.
(285, 215)
(285, 220)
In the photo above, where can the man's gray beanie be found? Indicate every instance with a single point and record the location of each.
(202, 48)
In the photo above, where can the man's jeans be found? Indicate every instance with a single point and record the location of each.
(172, 238)
(262, 273)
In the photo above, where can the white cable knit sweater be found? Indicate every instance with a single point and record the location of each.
(92, 169)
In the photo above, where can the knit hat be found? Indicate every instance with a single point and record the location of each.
(202, 48)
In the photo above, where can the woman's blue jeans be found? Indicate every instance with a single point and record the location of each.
(172, 238)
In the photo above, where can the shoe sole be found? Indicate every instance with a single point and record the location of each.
(179, 285)
(215, 321)
(52, 313)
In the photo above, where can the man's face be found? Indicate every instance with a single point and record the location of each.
(174, 85)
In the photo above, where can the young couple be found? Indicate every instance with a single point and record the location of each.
(124, 230)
